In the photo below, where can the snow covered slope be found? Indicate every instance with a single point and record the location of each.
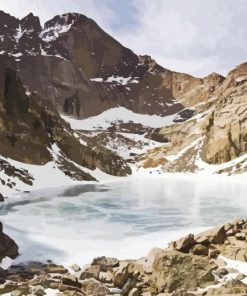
(118, 114)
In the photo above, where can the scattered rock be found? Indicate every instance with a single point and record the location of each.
(184, 244)
(200, 249)
(105, 262)
(1, 198)
(213, 236)
(188, 264)
(38, 290)
(120, 276)
(241, 236)
(53, 268)
(90, 272)
(71, 280)
(93, 287)
(76, 267)
(175, 270)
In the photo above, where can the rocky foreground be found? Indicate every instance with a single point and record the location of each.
(193, 265)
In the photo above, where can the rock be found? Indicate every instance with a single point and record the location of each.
(231, 232)
(105, 262)
(221, 272)
(70, 293)
(149, 260)
(228, 226)
(234, 287)
(200, 249)
(54, 286)
(240, 277)
(184, 244)
(241, 236)
(213, 236)
(76, 267)
(63, 288)
(38, 290)
(3, 275)
(70, 280)
(53, 268)
(93, 287)
(42, 280)
(17, 293)
(213, 253)
(105, 277)
(128, 286)
(90, 272)
(8, 287)
(1, 198)
(175, 270)
(120, 275)
(182, 292)
(8, 248)
(23, 289)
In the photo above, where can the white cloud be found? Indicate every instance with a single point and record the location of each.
(194, 36)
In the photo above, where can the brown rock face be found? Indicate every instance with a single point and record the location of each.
(8, 248)
(215, 134)
(227, 125)
(71, 66)
(29, 126)
(83, 71)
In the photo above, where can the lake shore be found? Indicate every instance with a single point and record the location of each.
(209, 263)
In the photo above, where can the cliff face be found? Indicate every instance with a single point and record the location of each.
(72, 68)
(227, 125)
(31, 126)
(216, 134)
(83, 71)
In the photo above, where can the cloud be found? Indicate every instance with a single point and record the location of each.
(194, 36)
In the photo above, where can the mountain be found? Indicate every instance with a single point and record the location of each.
(74, 103)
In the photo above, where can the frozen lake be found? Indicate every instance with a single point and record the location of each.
(123, 219)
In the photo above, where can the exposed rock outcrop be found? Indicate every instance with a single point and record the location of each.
(8, 248)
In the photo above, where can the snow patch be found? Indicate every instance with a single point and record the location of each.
(117, 79)
(52, 33)
(19, 33)
(104, 120)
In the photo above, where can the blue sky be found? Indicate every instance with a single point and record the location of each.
(192, 36)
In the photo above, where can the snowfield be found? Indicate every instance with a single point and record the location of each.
(104, 120)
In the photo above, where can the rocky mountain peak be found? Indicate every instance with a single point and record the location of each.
(7, 21)
(31, 22)
(63, 19)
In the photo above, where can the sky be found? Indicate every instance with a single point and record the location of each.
(193, 36)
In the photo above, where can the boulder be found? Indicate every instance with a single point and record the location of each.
(76, 267)
(234, 287)
(8, 248)
(200, 249)
(184, 244)
(120, 275)
(90, 272)
(1, 198)
(54, 268)
(149, 260)
(213, 236)
(70, 280)
(173, 270)
(105, 262)
(38, 290)
(93, 287)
